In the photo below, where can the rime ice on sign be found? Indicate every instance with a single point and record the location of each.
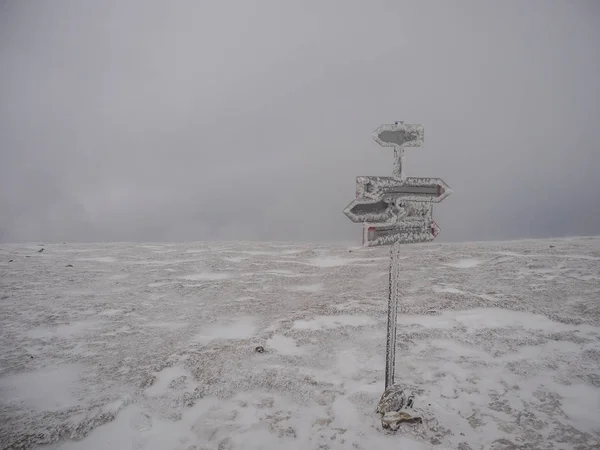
(412, 189)
(396, 210)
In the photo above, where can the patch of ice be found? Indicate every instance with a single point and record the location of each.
(447, 289)
(160, 263)
(587, 277)
(102, 259)
(159, 283)
(66, 330)
(581, 404)
(484, 318)
(586, 257)
(283, 345)
(265, 421)
(307, 288)
(242, 328)
(538, 255)
(206, 276)
(235, 259)
(465, 263)
(347, 364)
(269, 253)
(345, 414)
(47, 389)
(110, 312)
(329, 322)
(167, 325)
(331, 261)
(135, 429)
(281, 272)
(119, 276)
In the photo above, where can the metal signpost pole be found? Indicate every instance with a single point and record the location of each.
(390, 351)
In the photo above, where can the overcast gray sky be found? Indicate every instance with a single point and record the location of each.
(250, 120)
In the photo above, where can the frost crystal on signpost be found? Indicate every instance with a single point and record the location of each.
(396, 210)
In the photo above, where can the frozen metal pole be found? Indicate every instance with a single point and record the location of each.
(397, 172)
(390, 354)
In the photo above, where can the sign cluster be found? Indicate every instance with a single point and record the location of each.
(397, 209)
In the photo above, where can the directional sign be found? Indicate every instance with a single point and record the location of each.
(371, 211)
(399, 134)
(386, 210)
(410, 189)
(405, 233)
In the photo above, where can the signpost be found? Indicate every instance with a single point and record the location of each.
(396, 210)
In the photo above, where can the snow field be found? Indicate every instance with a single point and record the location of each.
(153, 346)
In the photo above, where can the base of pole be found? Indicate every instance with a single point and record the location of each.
(395, 407)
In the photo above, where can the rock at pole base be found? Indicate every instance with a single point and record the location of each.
(395, 407)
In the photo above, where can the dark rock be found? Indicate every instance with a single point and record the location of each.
(10, 260)
(552, 246)
(40, 250)
(69, 265)
(259, 349)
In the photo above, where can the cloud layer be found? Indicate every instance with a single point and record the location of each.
(151, 120)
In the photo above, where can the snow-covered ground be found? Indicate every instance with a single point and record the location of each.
(153, 346)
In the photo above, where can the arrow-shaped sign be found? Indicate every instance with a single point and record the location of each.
(416, 189)
(386, 210)
(406, 233)
(371, 211)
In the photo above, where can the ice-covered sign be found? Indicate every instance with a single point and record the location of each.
(372, 211)
(406, 233)
(392, 201)
(388, 209)
(411, 189)
(399, 134)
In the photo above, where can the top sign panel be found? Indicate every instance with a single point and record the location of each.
(399, 134)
